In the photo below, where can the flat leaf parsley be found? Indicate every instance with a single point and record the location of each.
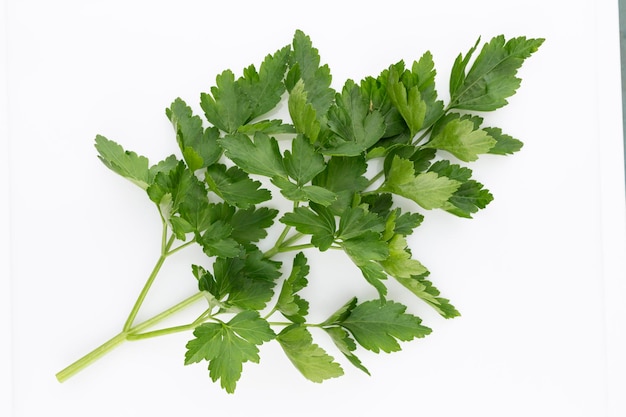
(341, 160)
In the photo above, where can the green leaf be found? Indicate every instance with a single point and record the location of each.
(217, 241)
(179, 192)
(427, 189)
(400, 263)
(313, 193)
(227, 346)
(404, 223)
(194, 208)
(303, 113)
(289, 303)
(357, 128)
(246, 281)
(342, 313)
(125, 163)
(423, 74)
(318, 223)
(364, 251)
(260, 156)
(470, 197)
(505, 144)
(459, 137)
(311, 360)
(492, 77)
(377, 326)
(269, 127)
(265, 88)
(234, 186)
(408, 101)
(303, 163)
(249, 225)
(227, 107)
(355, 222)
(344, 176)
(425, 290)
(305, 63)
(375, 91)
(346, 345)
(199, 146)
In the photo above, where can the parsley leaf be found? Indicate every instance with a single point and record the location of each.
(426, 189)
(399, 262)
(470, 197)
(315, 221)
(199, 146)
(356, 127)
(305, 66)
(264, 89)
(303, 163)
(505, 144)
(492, 77)
(235, 186)
(261, 156)
(377, 326)
(311, 360)
(289, 303)
(227, 346)
(460, 137)
(126, 163)
(425, 290)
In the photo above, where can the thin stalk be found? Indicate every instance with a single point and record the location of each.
(91, 357)
(174, 329)
(161, 332)
(296, 247)
(183, 246)
(155, 271)
(375, 178)
(116, 340)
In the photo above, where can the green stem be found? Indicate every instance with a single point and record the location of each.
(142, 295)
(183, 246)
(161, 332)
(91, 357)
(274, 250)
(116, 340)
(169, 330)
(292, 239)
(375, 178)
(296, 247)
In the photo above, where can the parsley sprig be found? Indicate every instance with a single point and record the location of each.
(217, 194)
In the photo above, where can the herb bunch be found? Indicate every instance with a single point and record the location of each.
(217, 195)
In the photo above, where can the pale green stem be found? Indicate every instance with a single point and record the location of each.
(144, 292)
(116, 340)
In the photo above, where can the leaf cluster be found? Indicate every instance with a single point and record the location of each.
(343, 159)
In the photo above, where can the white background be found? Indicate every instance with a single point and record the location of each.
(538, 276)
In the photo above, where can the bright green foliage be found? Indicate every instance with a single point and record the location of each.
(505, 144)
(355, 126)
(227, 346)
(427, 189)
(315, 221)
(126, 163)
(346, 162)
(425, 290)
(198, 145)
(492, 77)
(311, 360)
(377, 326)
(260, 155)
(290, 304)
(235, 186)
(459, 137)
